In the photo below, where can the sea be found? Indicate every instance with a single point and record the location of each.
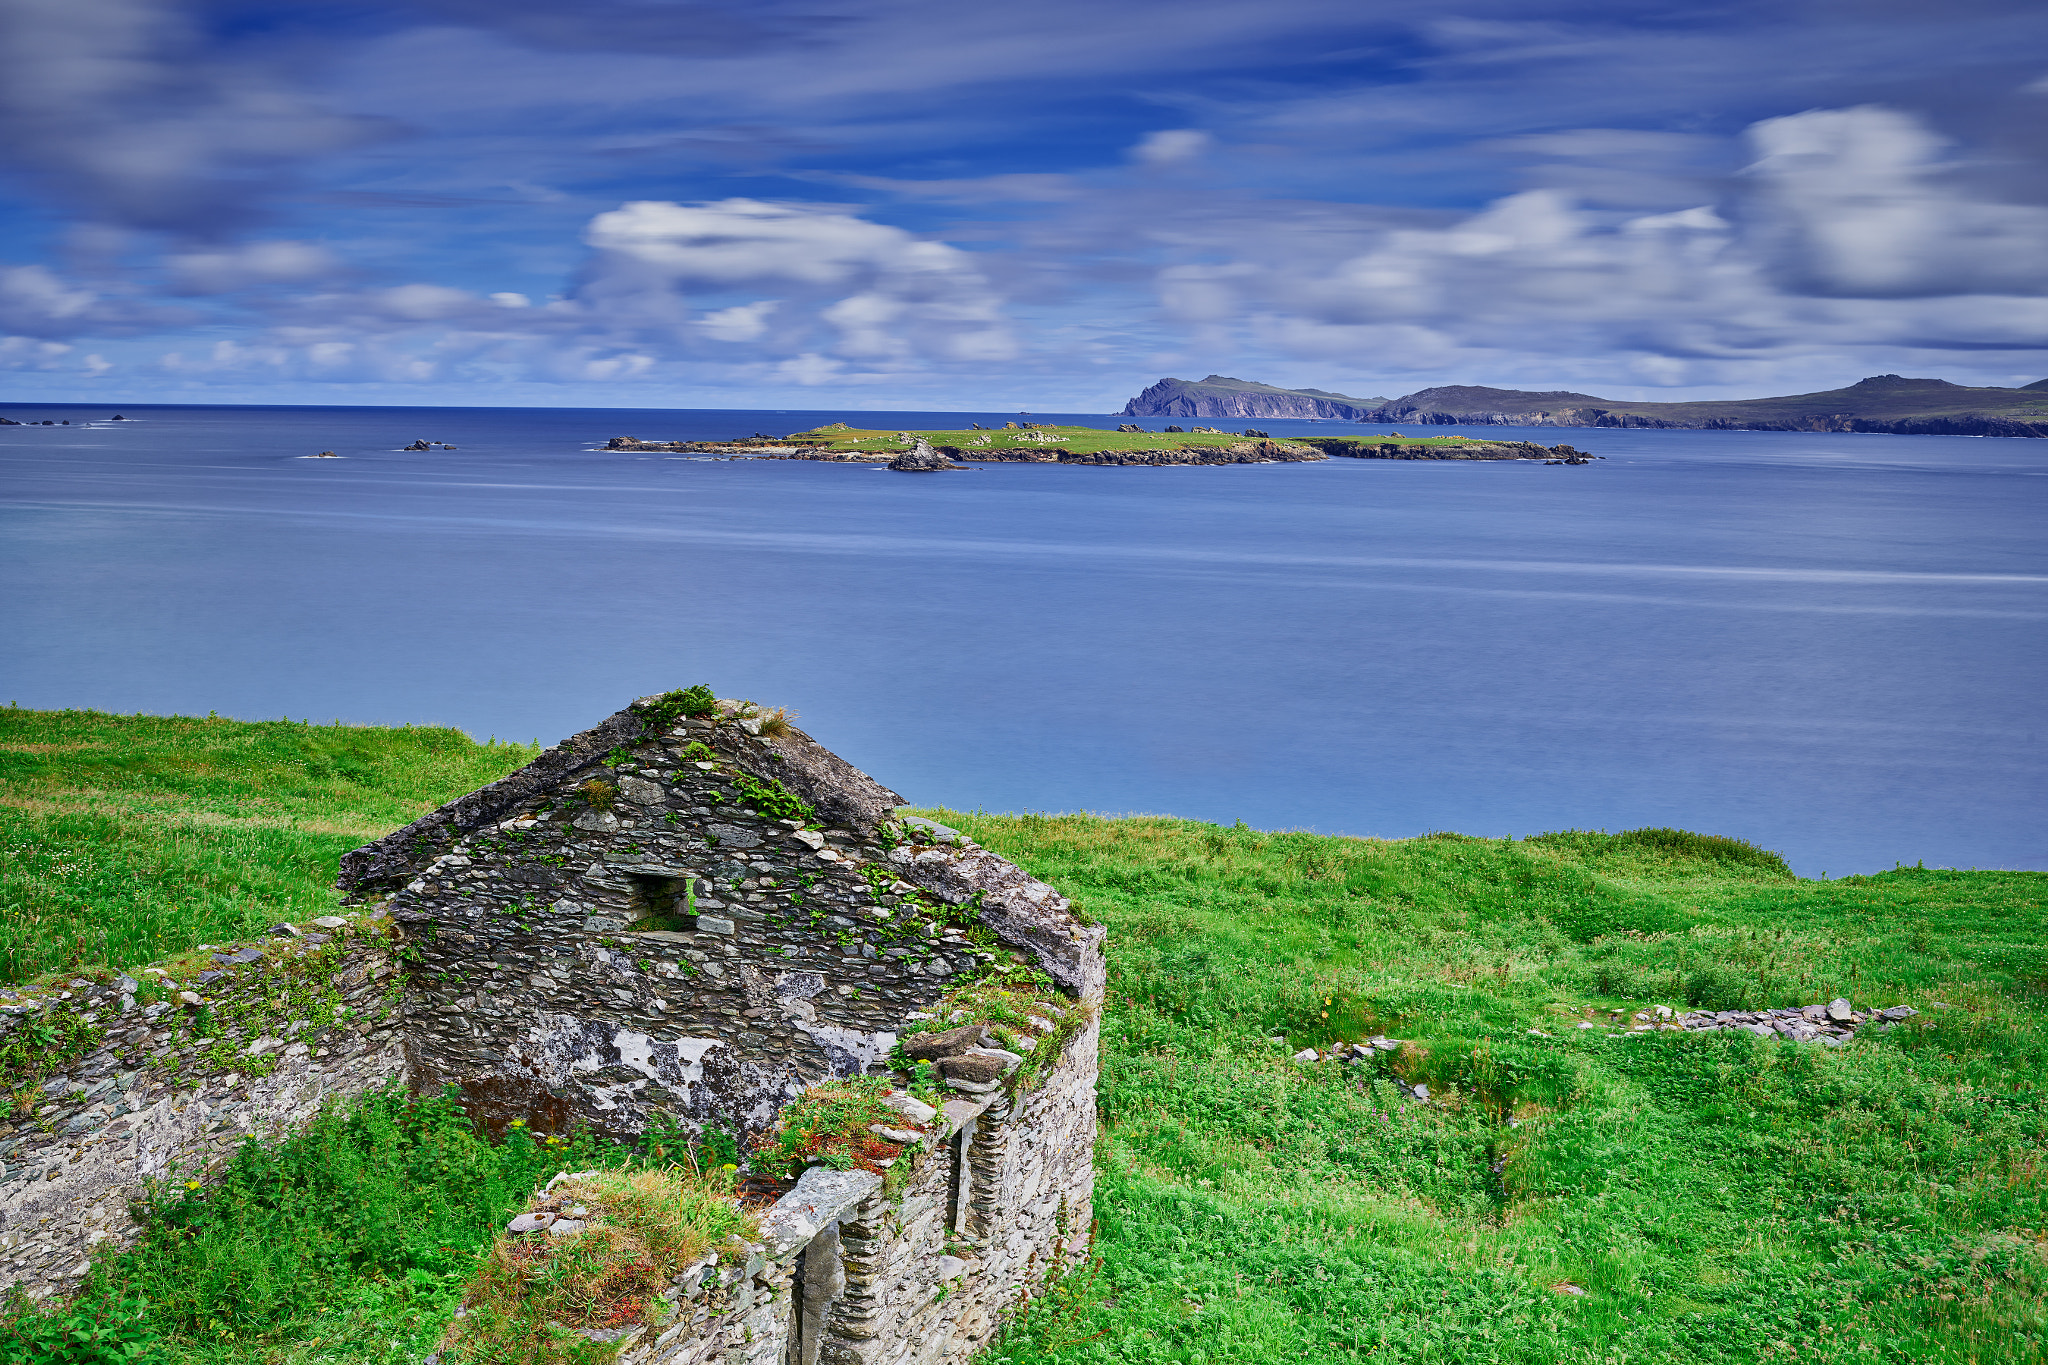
(1829, 645)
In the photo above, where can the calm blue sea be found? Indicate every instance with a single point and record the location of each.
(1831, 645)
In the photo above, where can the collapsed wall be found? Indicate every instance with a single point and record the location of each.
(111, 1082)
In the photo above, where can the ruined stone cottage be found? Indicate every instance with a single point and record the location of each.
(684, 915)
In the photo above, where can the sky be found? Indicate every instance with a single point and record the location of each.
(923, 204)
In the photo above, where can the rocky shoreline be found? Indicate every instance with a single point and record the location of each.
(924, 457)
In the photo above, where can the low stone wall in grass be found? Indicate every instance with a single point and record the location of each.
(110, 1082)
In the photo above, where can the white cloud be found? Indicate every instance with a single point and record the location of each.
(507, 299)
(1861, 208)
(741, 322)
(27, 353)
(1170, 145)
(130, 110)
(31, 297)
(1845, 235)
(249, 265)
(888, 294)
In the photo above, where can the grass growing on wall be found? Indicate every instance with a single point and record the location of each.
(126, 838)
(1571, 1197)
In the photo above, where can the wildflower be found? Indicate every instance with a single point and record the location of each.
(730, 1167)
(191, 1184)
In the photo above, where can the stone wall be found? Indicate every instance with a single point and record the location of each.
(997, 1200)
(116, 1081)
(673, 950)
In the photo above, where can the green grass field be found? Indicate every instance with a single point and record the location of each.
(127, 838)
(1076, 440)
(1715, 1197)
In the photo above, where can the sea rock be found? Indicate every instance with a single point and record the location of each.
(1131, 426)
(921, 459)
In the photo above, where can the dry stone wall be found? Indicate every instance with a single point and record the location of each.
(117, 1081)
(850, 1270)
(644, 936)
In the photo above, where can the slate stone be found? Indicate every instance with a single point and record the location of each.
(951, 1043)
(970, 1068)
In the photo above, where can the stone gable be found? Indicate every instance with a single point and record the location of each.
(690, 918)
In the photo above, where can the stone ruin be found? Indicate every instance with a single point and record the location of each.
(682, 919)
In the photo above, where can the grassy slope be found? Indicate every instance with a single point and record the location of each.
(126, 838)
(1080, 440)
(1720, 1198)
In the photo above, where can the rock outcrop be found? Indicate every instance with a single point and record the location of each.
(1221, 396)
(1886, 403)
(921, 459)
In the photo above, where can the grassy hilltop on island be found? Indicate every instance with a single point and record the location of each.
(1580, 1184)
(1128, 444)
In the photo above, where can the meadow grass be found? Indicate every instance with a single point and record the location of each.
(1715, 1197)
(1567, 1195)
(127, 838)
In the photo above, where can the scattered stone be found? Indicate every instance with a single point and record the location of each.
(1307, 1054)
(530, 1222)
(284, 929)
(188, 997)
(566, 1227)
(950, 1268)
(331, 922)
(1838, 1010)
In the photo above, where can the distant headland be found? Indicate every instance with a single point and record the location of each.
(1881, 403)
(919, 452)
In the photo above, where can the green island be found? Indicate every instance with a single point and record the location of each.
(1583, 1186)
(1129, 444)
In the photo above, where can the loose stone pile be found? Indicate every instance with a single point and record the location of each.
(1831, 1025)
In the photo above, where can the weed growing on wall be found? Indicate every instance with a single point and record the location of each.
(830, 1124)
(640, 1230)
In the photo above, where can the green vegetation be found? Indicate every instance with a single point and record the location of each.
(124, 839)
(643, 1229)
(1567, 1194)
(349, 1241)
(828, 1124)
(1024, 1011)
(1052, 441)
(1716, 1197)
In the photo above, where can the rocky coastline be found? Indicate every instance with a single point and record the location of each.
(922, 456)
(1885, 404)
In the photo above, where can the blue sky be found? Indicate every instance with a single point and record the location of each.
(914, 204)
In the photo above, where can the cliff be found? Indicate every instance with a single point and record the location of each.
(1881, 403)
(1218, 396)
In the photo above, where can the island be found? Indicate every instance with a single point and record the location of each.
(1129, 444)
(1884, 403)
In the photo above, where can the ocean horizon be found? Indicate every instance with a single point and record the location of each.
(1828, 644)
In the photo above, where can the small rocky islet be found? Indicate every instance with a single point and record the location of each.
(919, 452)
